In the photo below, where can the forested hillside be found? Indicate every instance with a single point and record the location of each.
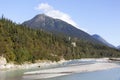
(19, 44)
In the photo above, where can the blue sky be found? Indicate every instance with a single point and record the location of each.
(94, 16)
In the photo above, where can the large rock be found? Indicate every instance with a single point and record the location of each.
(3, 62)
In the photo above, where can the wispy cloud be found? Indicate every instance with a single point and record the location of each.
(50, 11)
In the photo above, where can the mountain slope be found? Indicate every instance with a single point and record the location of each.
(102, 40)
(57, 26)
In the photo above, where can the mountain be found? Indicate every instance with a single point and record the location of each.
(58, 26)
(102, 40)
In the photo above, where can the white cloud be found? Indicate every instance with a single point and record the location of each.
(50, 11)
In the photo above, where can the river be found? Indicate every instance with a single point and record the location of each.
(109, 74)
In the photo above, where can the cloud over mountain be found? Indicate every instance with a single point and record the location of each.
(50, 11)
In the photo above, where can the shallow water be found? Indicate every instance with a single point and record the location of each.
(112, 74)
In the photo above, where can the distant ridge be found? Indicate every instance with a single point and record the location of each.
(118, 47)
(102, 40)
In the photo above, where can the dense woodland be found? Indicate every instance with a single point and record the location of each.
(19, 44)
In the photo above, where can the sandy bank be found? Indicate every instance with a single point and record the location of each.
(45, 63)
